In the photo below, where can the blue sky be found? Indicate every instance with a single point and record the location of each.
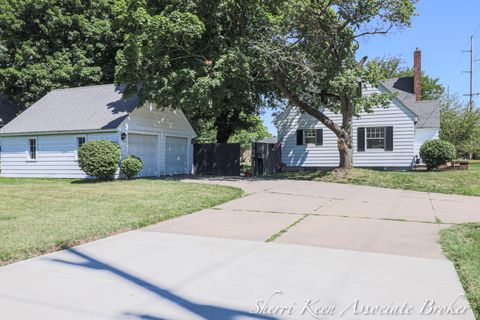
(441, 30)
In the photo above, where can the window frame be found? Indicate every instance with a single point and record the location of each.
(29, 149)
(367, 138)
(305, 136)
(77, 147)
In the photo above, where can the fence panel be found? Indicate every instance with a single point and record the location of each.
(220, 159)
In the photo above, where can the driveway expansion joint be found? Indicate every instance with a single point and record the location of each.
(285, 230)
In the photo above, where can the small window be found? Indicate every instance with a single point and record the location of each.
(309, 136)
(80, 142)
(32, 149)
(376, 138)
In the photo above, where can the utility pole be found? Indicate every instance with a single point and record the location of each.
(472, 61)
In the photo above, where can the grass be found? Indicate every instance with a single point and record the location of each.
(43, 215)
(466, 182)
(461, 244)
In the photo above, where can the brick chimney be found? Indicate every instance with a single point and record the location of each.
(417, 74)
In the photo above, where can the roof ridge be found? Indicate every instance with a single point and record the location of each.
(83, 87)
(433, 100)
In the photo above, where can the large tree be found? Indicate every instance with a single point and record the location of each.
(191, 55)
(460, 126)
(47, 44)
(308, 52)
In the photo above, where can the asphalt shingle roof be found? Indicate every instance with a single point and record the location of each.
(75, 109)
(8, 110)
(427, 111)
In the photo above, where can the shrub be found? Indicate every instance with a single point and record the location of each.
(131, 166)
(437, 152)
(99, 158)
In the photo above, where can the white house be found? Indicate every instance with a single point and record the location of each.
(387, 138)
(43, 140)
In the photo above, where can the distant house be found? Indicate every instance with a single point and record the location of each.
(273, 139)
(387, 138)
(8, 110)
(43, 140)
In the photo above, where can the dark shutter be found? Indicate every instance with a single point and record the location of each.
(299, 137)
(388, 138)
(319, 137)
(360, 139)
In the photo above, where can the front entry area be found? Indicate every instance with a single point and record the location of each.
(176, 156)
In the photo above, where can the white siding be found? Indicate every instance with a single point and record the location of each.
(56, 155)
(326, 155)
(164, 123)
(422, 135)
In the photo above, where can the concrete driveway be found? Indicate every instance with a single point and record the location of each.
(330, 215)
(287, 250)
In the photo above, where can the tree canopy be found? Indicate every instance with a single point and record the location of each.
(191, 55)
(460, 126)
(47, 44)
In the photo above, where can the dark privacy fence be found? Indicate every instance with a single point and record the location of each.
(220, 159)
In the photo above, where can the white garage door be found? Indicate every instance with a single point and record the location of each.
(146, 148)
(176, 156)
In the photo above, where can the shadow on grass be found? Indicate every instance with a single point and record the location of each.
(205, 311)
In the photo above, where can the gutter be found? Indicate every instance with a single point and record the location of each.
(45, 133)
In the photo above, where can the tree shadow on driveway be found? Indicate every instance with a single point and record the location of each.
(205, 311)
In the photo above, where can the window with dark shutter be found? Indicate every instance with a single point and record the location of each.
(388, 138)
(360, 139)
(319, 137)
(299, 137)
(375, 138)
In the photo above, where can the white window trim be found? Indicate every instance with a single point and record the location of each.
(27, 155)
(384, 139)
(76, 144)
(314, 134)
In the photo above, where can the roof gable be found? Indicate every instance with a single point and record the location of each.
(100, 107)
(427, 111)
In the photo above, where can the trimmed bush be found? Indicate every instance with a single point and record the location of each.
(437, 152)
(99, 158)
(131, 166)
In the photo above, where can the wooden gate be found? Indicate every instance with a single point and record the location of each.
(266, 158)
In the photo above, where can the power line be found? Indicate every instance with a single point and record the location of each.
(471, 94)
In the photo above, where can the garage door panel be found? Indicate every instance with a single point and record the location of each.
(146, 148)
(176, 155)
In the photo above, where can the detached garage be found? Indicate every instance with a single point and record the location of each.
(43, 140)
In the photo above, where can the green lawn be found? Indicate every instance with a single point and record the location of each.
(465, 182)
(461, 244)
(44, 215)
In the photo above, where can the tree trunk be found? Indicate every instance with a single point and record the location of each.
(345, 151)
(345, 138)
(223, 134)
(224, 129)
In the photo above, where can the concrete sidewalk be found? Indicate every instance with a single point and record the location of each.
(150, 275)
